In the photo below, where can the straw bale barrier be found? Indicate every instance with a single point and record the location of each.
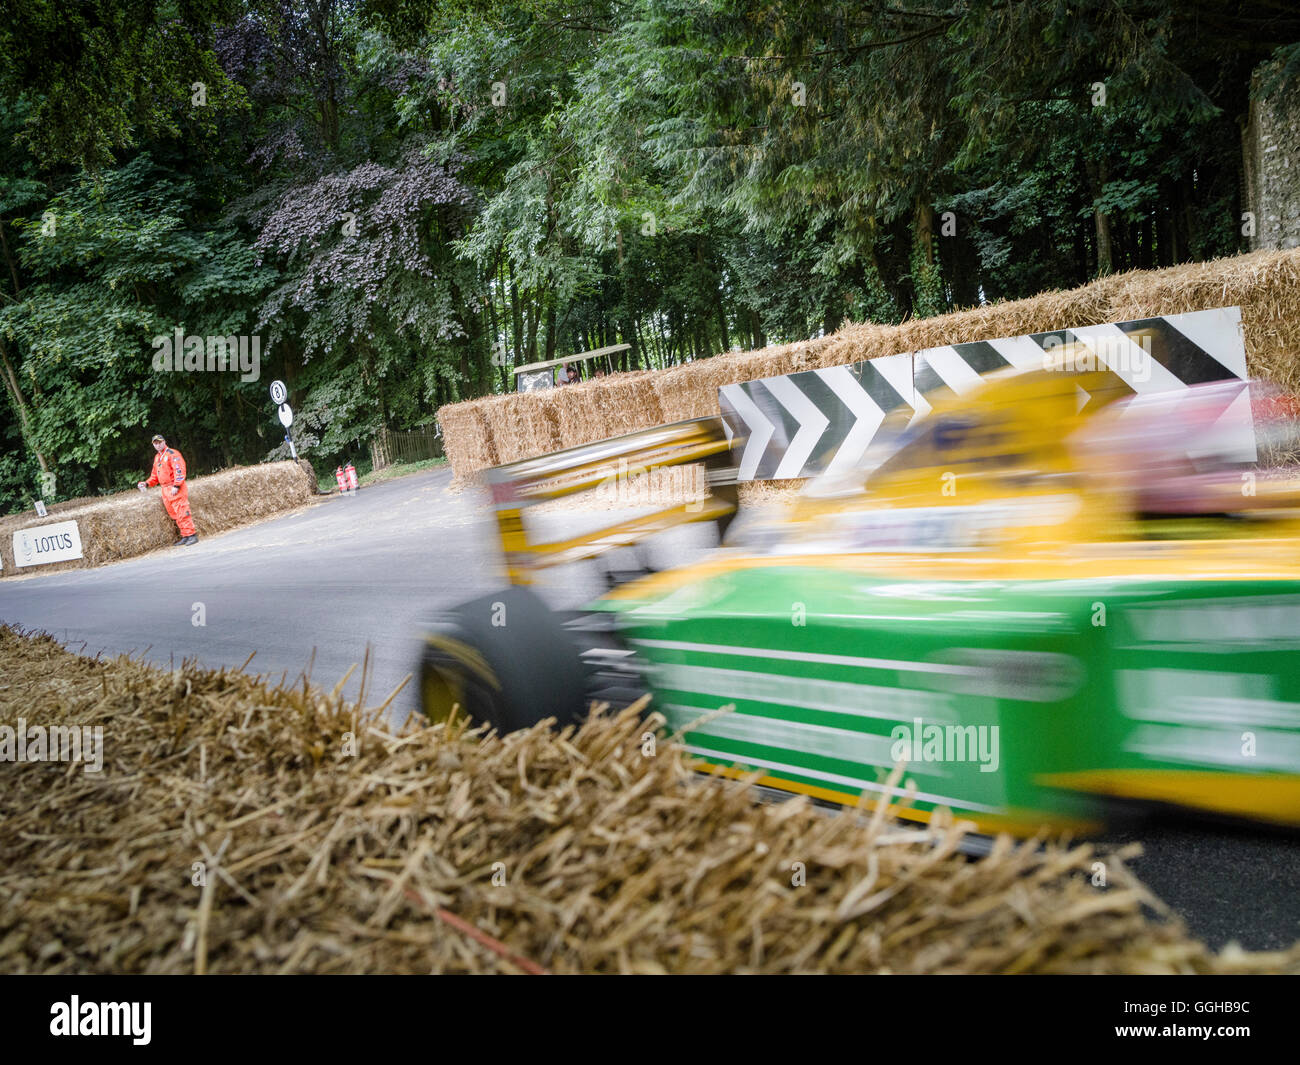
(1266, 285)
(467, 440)
(131, 523)
(319, 860)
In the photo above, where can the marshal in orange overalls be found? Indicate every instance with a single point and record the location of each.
(169, 471)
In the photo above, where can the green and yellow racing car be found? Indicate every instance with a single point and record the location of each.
(1045, 598)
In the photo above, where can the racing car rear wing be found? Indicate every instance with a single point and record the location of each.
(519, 485)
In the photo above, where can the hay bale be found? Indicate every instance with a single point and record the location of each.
(324, 856)
(579, 412)
(467, 439)
(607, 406)
(681, 392)
(522, 425)
(628, 403)
(1266, 285)
(131, 523)
(769, 493)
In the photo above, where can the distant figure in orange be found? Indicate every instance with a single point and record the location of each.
(169, 471)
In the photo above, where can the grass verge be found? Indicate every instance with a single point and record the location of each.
(326, 482)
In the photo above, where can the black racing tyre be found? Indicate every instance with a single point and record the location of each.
(504, 659)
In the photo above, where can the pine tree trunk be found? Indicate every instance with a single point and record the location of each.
(516, 318)
(1097, 177)
(925, 230)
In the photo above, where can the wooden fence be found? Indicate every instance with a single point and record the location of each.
(391, 446)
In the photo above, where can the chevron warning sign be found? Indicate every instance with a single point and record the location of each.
(802, 424)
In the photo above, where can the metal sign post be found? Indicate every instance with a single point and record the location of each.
(279, 393)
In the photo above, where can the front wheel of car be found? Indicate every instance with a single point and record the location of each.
(505, 660)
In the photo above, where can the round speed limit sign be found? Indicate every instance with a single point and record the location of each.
(278, 392)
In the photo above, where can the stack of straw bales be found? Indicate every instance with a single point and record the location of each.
(1266, 285)
(329, 843)
(130, 523)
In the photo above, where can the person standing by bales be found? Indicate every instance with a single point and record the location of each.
(169, 472)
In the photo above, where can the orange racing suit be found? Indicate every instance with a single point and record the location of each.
(169, 471)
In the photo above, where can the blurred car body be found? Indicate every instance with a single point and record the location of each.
(1043, 598)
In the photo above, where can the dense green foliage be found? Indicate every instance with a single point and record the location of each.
(402, 201)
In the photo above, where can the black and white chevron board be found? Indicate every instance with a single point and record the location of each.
(817, 421)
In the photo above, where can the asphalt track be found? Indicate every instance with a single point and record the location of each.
(363, 571)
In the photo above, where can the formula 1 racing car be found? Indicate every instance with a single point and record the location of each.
(1046, 598)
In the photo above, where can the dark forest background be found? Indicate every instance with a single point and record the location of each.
(405, 200)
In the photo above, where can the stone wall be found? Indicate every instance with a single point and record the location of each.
(1271, 163)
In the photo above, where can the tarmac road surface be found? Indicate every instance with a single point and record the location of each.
(364, 570)
(348, 572)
